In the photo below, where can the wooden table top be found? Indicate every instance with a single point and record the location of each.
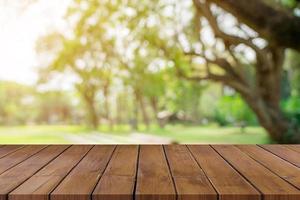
(170, 172)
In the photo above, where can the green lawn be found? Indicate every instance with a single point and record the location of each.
(121, 134)
(214, 134)
(37, 134)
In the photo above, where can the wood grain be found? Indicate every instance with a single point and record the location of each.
(118, 180)
(270, 185)
(154, 180)
(275, 164)
(295, 147)
(42, 183)
(284, 153)
(5, 150)
(18, 156)
(155, 172)
(190, 181)
(87, 173)
(12, 178)
(229, 184)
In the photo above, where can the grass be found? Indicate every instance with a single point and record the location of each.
(214, 134)
(37, 134)
(47, 134)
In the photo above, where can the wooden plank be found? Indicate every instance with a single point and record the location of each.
(282, 168)
(12, 178)
(42, 183)
(284, 153)
(270, 185)
(295, 147)
(5, 150)
(154, 180)
(118, 180)
(16, 157)
(228, 182)
(190, 181)
(87, 173)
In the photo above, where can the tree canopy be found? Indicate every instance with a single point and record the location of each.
(150, 46)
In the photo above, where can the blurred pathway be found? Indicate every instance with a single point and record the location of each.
(101, 138)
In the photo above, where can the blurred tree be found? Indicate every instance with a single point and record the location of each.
(86, 52)
(280, 28)
(240, 44)
(183, 99)
(231, 109)
(293, 66)
(147, 82)
(262, 91)
(15, 103)
(22, 104)
(291, 105)
(246, 53)
(53, 107)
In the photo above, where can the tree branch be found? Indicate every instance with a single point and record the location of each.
(277, 26)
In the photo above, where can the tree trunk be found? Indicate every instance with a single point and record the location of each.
(265, 98)
(265, 101)
(279, 128)
(141, 102)
(92, 115)
(135, 119)
(119, 119)
(155, 109)
(106, 105)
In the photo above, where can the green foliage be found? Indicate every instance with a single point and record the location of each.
(184, 96)
(20, 104)
(129, 59)
(233, 110)
(292, 65)
(292, 105)
(54, 107)
(180, 133)
(291, 108)
(290, 3)
(15, 102)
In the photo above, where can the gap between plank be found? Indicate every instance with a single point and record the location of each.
(269, 168)
(49, 195)
(37, 170)
(218, 196)
(12, 151)
(280, 156)
(261, 194)
(23, 160)
(136, 171)
(111, 155)
(170, 172)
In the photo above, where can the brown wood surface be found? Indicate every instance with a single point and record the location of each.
(228, 183)
(284, 152)
(190, 181)
(154, 180)
(294, 147)
(269, 184)
(5, 150)
(12, 178)
(18, 156)
(87, 173)
(156, 172)
(274, 163)
(118, 180)
(42, 183)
